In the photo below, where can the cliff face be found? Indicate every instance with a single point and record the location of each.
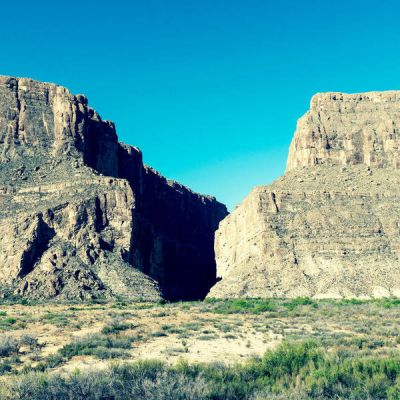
(348, 129)
(82, 217)
(330, 227)
(173, 230)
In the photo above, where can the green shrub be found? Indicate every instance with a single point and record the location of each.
(116, 327)
(59, 320)
(30, 341)
(390, 302)
(288, 359)
(8, 321)
(51, 361)
(300, 301)
(8, 346)
(356, 302)
(158, 334)
(191, 326)
(141, 381)
(98, 345)
(242, 306)
(296, 371)
(5, 367)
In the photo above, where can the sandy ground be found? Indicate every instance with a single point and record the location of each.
(165, 333)
(194, 332)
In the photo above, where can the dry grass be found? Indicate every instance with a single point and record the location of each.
(221, 331)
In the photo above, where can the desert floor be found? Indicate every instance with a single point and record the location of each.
(69, 336)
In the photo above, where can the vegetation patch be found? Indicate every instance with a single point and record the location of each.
(292, 371)
(99, 346)
(346, 347)
(7, 323)
(57, 319)
(116, 327)
(300, 301)
(8, 346)
(242, 306)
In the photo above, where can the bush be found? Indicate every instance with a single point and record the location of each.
(248, 306)
(116, 327)
(257, 306)
(29, 341)
(390, 303)
(51, 361)
(288, 359)
(5, 367)
(295, 371)
(59, 320)
(7, 323)
(300, 301)
(96, 345)
(8, 346)
(141, 381)
(354, 302)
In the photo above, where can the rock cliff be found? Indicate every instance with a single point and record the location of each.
(348, 129)
(81, 216)
(330, 227)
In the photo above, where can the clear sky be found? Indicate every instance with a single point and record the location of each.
(210, 90)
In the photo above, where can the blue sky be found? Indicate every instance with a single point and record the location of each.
(210, 90)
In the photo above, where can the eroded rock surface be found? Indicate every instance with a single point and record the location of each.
(330, 227)
(348, 129)
(81, 216)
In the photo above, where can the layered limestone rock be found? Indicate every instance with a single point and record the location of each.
(330, 227)
(81, 216)
(348, 129)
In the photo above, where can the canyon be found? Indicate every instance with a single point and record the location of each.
(82, 217)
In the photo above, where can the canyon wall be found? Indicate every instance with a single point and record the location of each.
(330, 227)
(82, 217)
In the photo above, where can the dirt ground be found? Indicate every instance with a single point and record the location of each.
(195, 332)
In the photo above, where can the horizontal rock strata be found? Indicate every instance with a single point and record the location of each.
(348, 129)
(330, 227)
(81, 216)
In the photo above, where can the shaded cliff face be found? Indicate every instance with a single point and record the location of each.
(173, 237)
(330, 227)
(82, 217)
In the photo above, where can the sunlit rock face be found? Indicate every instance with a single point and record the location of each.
(348, 129)
(82, 217)
(330, 227)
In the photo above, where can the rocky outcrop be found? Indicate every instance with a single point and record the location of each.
(81, 216)
(348, 129)
(330, 227)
